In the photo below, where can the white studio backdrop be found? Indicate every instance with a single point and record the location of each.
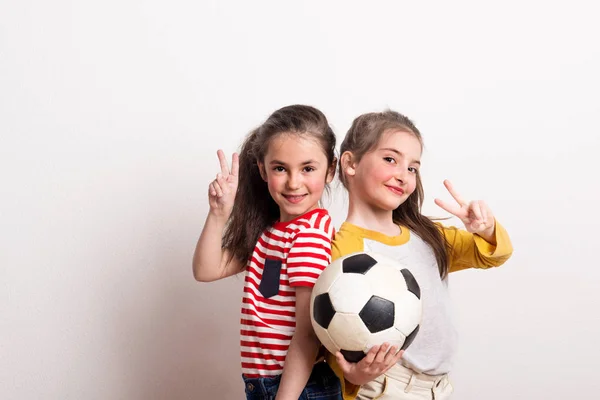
(110, 117)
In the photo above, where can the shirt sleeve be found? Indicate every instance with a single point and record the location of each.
(345, 243)
(468, 250)
(309, 255)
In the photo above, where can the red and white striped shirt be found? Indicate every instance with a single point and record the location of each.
(287, 255)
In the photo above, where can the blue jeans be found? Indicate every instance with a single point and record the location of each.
(322, 385)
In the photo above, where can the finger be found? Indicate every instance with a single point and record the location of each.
(390, 357)
(454, 193)
(451, 208)
(218, 189)
(397, 358)
(235, 164)
(211, 190)
(475, 208)
(221, 181)
(344, 365)
(383, 351)
(370, 357)
(484, 212)
(223, 162)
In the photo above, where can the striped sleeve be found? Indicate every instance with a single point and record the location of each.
(310, 253)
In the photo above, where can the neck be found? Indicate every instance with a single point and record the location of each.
(371, 218)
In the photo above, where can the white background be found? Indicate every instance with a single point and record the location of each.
(110, 116)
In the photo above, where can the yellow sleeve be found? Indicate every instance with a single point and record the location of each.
(344, 243)
(468, 250)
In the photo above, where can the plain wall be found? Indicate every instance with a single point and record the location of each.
(110, 116)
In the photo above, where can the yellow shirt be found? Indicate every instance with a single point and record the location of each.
(434, 346)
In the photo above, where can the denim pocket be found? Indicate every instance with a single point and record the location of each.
(269, 284)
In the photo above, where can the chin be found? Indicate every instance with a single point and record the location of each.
(388, 205)
(294, 212)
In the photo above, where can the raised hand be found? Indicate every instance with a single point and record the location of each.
(221, 191)
(476, 215)
(377, 361)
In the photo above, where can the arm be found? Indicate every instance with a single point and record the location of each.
(308, 257)
(484, 244)
(472, 250)
(211, 261)
(302, 351)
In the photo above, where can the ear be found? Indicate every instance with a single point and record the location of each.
(348, 164)
(262, 171)
(331, 171)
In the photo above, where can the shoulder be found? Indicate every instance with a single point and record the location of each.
(347, 240)
(316, 221)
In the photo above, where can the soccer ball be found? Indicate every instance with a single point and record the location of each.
(362, 300)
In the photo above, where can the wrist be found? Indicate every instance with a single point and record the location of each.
(489, 234)
(218, 216)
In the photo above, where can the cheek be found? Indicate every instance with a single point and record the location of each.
(381, 175)
(274, 182)
(316, 184)
(412, 185)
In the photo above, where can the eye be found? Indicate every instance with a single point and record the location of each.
(390, 160)
(279, 168)
(308, 169)
(413, 170)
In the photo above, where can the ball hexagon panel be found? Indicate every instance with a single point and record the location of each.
(349, 293)
(392, 336)
(325, 338)
(348, 332)
(386, 281)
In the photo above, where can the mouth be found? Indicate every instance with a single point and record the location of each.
(294, 198)
(396, 190)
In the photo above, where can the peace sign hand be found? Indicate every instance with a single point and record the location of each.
(476, 215)
(221, 191)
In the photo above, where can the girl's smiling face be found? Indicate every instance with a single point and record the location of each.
(296, 171)
(387, 175)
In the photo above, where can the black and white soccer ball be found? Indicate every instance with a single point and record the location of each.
(362, 300)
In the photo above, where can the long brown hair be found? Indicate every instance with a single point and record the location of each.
(254, 209)
(362, 137)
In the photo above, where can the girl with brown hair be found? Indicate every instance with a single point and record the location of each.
(379, 166)
(265, 220)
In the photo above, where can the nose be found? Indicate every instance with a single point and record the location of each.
(400, 174)
(294, 181)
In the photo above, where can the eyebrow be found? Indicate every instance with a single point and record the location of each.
(400, 154)
(307, 162)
